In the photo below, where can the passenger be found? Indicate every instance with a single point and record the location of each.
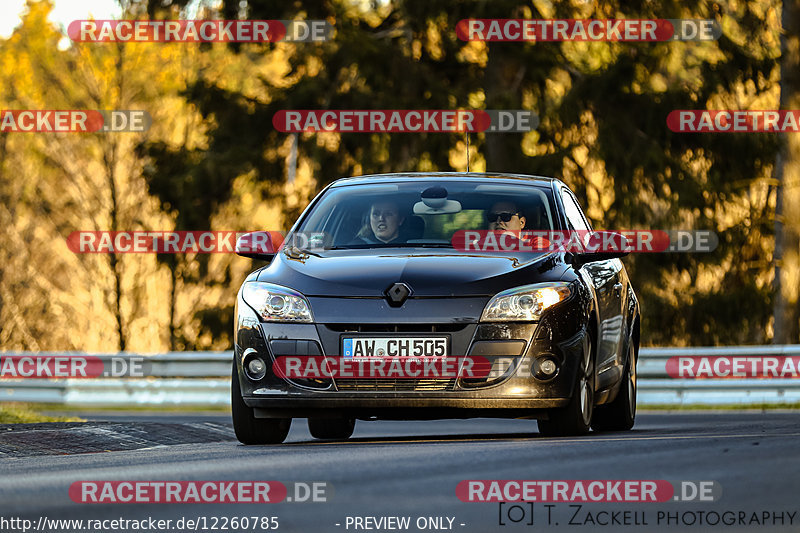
(382, 225)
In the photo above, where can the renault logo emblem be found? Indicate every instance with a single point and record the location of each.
(397, 294)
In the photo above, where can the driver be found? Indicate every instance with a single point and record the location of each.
(382, 225)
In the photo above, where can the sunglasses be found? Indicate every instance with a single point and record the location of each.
(505, 217)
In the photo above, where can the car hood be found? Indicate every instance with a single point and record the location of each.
(429, 273)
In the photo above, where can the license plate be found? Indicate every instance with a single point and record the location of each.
(394, 347)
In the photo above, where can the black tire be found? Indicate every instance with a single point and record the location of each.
(248, 428)
(575, 418)
(331, 428)
(620, 414)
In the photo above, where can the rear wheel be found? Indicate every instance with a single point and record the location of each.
(575, 418)
(331, 428)
(619, 415)
(248, 428)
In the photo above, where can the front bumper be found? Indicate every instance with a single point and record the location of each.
(516, 393)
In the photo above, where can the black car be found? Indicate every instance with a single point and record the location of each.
(377, 275)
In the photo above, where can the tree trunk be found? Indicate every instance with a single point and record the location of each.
(501, 85)
(110, 157)
(173, 295)
(116, 265)
(787, 177)
(5, 201)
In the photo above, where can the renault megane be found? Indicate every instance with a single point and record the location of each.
(378, 275)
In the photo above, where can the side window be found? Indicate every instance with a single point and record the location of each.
(573, 211)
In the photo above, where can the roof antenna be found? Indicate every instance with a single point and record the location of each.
(467, 132)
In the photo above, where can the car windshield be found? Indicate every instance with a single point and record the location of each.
(424, 213)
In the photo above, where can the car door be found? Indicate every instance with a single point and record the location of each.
(606, 278)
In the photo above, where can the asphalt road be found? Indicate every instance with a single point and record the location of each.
(411, 469)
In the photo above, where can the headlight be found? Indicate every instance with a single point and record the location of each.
(275, 303)
(526, 303)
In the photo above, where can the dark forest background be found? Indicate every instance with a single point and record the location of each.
(212, 159)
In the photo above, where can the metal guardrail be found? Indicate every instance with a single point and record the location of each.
(203, 378)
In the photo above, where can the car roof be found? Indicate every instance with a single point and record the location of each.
(444, 176)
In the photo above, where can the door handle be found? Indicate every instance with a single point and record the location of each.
(618, 289)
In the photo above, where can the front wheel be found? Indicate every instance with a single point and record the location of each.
(619, 415)
(575, 418)
(248, 428)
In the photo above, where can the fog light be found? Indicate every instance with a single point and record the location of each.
(545, 368)
(255, 368)
(548, 367)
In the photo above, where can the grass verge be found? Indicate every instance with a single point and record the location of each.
(72, 408)
(23, 413)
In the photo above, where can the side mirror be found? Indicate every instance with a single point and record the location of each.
(259, 245)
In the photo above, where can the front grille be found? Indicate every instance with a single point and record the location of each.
(395, 385)
(396, 328)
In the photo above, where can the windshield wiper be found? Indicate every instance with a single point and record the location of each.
(294, 251)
